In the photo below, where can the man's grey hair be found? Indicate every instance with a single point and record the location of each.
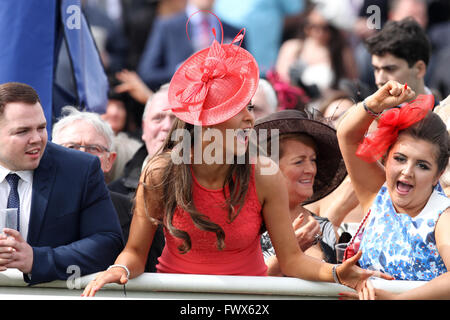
(70, 114)
(269, 93)
(163, 88)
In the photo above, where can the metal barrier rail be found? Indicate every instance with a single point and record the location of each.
(183, 286)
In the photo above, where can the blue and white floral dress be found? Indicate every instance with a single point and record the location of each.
(402, 246)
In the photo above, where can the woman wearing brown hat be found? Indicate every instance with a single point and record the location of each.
(311, 162)
(213, 211)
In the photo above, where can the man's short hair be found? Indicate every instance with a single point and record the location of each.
(163, 88)
(269, 93)
(17, 92)
(70, 115)
(405, 39)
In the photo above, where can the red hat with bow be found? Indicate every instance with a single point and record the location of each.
(214, 84)
(391, 122)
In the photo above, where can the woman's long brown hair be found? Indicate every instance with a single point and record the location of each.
(176, 189)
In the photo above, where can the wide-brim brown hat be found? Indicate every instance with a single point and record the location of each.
(331, 169)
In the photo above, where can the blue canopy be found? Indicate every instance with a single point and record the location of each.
(48, 45)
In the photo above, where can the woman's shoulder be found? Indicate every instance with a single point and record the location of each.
(265, 168)
(438, 203)
(292, 44)
(268, 177)
(150, 191)
(442, 229)
(446, 213)
(291, 47)
(153, 171)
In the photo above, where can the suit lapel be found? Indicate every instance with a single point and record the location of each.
(43, 178)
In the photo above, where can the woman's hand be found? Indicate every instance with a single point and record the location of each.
(352, 276)
(368, 292)
(113, 275)
(391, 94)
(306, 234)
(133, 84)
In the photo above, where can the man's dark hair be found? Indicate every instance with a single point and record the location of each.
(404, 39)
(16, 92)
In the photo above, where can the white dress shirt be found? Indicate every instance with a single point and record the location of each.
(25, 191)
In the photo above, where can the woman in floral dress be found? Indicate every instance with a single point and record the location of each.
(395, 171)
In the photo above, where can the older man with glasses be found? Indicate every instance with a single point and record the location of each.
(86, 131)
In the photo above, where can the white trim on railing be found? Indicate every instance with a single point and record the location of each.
(173, 286)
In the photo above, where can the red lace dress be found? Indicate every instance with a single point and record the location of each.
(242, 254)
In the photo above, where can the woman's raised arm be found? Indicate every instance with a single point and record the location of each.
(367, 178)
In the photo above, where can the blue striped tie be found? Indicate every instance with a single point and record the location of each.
(13, 198)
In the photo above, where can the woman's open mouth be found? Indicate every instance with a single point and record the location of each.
(242, 135)
(403, 188)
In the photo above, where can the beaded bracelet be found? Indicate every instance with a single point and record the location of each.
(370, 111)
(334, 272)
(120, 266)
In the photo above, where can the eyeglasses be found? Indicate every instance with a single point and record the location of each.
(94, 149)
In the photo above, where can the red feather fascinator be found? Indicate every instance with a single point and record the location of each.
(375, 145)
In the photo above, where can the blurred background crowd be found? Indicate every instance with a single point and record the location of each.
(312, 51)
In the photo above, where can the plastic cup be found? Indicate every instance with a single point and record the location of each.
(8, 219)
(340, 249)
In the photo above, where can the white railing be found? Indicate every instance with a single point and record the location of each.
(182, 286)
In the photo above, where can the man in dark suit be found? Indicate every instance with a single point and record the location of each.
(66, 217)
(168, 45)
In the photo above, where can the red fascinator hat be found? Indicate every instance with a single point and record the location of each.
(391, 122)
(214, 84)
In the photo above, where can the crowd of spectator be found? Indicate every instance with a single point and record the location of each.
(326, 74)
